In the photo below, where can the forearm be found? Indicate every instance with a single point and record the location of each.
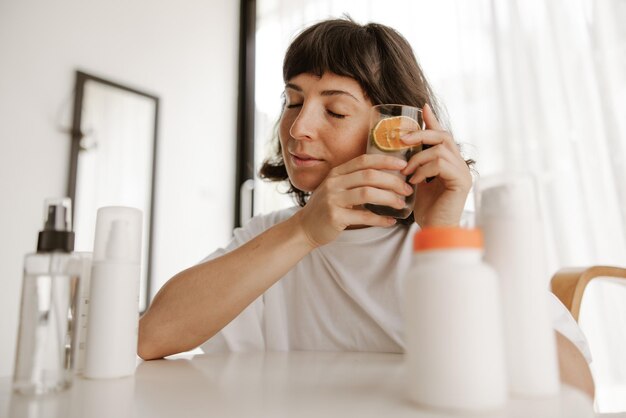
(573, 367)
(198, 302)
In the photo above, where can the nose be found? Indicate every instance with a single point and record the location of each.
(304, 126)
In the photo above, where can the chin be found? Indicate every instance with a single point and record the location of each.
(305, 184)
(305, 180)
(305, 187)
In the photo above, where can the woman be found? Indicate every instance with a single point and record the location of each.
(327, 274)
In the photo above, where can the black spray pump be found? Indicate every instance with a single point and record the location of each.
(57, 232)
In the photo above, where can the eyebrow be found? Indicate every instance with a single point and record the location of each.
(324, 92)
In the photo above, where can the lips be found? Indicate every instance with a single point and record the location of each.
(302, 156)
(301, 159)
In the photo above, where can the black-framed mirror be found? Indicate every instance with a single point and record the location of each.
(113, 160)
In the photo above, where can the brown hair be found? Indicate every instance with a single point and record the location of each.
(374, 55)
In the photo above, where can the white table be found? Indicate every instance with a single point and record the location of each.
(294, 384)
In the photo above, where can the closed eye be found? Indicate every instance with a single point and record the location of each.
(335, 115)
(294, 105)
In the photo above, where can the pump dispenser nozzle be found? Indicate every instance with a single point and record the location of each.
(57, 232)
(118, 235)
(117, 247)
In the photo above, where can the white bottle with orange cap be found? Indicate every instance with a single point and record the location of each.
(454, 337)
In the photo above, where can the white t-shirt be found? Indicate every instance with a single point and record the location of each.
(343, 296)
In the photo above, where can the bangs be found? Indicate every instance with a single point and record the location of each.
(343, 48)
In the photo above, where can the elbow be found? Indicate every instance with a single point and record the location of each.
(146, 347)
(145, 352)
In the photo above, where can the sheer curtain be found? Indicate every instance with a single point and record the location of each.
(533, 86)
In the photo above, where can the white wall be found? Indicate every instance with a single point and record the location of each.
(183, 51)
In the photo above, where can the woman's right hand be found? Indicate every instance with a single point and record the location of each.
(337, 202)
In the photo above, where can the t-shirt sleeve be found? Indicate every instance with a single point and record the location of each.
(245, 332)
(564, 323)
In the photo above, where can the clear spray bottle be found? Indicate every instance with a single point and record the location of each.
(43, 358)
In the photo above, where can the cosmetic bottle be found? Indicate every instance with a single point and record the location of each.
(46, 333)
(508, 214)
(454, 338)
(111, 349)
(83, 265)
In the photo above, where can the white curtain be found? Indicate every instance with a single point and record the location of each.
(530, 86)
(533, 86)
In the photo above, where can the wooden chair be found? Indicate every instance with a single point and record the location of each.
(569, 284)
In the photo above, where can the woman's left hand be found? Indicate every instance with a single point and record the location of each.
(438, 202)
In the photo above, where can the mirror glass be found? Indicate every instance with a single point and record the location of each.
(113, 160)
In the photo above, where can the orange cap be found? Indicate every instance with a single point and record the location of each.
(434, 238)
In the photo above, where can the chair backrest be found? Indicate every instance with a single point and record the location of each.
(569, 284)
(608, 365)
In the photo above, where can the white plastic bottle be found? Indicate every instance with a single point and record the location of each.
(454, 337)
(114, 294)
(509, 217)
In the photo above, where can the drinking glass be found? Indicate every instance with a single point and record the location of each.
(387, 123)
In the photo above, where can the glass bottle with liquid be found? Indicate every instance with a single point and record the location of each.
(43, 358)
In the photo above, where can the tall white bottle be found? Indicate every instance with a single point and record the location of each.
(114, 294)
(509, 217)
(454, 338)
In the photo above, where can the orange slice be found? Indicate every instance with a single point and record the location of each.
(387, 132)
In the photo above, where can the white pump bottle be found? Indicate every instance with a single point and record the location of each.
(114, 294)
(509, 217)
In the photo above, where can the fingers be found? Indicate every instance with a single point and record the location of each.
(370, 185)
(434, 134)
(439, 161)
(373, 195)
(436, 139)
(374, 178)
(430, 120)
(431, 169)
(428, 137)
(380, 162)
(430, 154)
(359, 216)
(365, 217)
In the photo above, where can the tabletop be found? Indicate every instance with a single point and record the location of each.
(270, 384)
